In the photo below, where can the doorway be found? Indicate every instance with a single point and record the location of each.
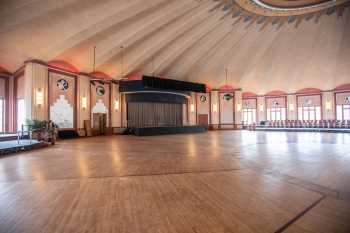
(99, 123)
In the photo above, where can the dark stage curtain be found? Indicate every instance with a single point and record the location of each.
(154, 114)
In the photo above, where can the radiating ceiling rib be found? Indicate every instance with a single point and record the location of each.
(139, 32)
(201, 49)
(17, 13)
(182, 52)
(90, 36)
(180, 39)
(216, 59)
(198, 23)
(110, 39)
(145, 46)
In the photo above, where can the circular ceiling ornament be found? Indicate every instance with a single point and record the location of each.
(100, 90)
(281, 11)
(62, 84)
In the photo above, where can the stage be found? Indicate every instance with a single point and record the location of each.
(152, 131)
(7, 147)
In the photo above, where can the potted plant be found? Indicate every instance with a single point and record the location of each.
(37, 127)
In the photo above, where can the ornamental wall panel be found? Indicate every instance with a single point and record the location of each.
(249, 103)
(62, 99)
(309, 100)
(203, 103)
(100, 99)
(226, 108)
(274, 102)
(343, 98)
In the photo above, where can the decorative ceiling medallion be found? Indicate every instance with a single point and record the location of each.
(100, 90)
(62, 84)
(281, 11)
(203, 98)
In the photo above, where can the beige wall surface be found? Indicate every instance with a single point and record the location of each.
(221, 111)
(83, 83)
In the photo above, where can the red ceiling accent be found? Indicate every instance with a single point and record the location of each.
(344, 87)
(100, 75)
(208, 88)
(226, 88)
(309, 91)
(4, 71)
(248, 94)
(276, 93)
(131, 77)
(63, 65)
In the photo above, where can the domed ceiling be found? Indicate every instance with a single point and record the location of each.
(264, 44)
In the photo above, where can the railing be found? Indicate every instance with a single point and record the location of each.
(21, 133)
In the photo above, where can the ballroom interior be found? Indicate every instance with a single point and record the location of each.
(175, 116)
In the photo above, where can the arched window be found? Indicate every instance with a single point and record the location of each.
(249, 111)
(343, 106)
(309, 107)
(276, 108)
(2, 114)
(2, 104)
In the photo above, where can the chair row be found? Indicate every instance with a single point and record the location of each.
(306, 124)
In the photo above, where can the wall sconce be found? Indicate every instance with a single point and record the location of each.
(291, 107)
(116, 105)
(192, 107)
(84, 103)
(328, 105)
(239, 107)
(261, 108)
(39, 97)
(215, 108)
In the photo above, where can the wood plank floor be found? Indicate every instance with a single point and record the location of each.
(227, 181)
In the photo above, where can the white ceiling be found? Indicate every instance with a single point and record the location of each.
(179, 39)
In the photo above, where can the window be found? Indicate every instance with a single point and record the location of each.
(310, 113)
(249, 116)
(2, 114)
(276, 114)
(343, 112)
(20, 113)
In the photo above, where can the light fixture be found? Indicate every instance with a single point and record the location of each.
(83, 102)
(192, 107)
(291, 107)
(239, 108)
(39, 97)
(215, 108)
(328, 105)
(261, 108)
(116, 105)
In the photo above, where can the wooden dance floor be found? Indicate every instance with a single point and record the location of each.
(215, 182)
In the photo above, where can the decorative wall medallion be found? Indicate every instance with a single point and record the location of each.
(228, 96)
(62, 84)
(347, 99)
(203, 98)
(100, 90)
(308, 102)
(275, 103)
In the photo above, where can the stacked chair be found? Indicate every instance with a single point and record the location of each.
(323, 124)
